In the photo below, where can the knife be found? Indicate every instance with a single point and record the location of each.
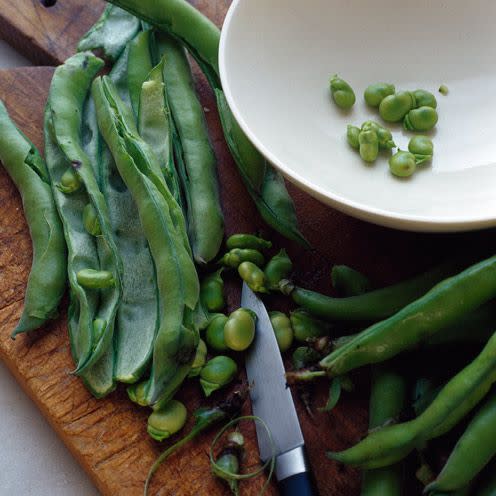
(272, 401)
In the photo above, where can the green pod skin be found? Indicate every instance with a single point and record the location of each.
(163, 224)
(69, 182)
(212, 292)
(402, 164)
(236, 256)
(422, 147)
(202, 38)
(348, 281)
(63, 127)
(253, 276)
(217, 373)
(424, 98)
(369, 145)
(352, 133)
(342, 93)
(375, 305)
(165, 422)
(47, 279)
(394, 107)
(90, 220)
(420, 119)
(439, 308)
(139, 66)
(111, 33)
(475, 327)
(383, 135)
(278, 268)
(265, 186)
(199, 177)
(138, 308)
(214, 335)
(155, 126)
(250, 241)
(306, 327)
(282, 329)
(95, 279)
(375, 93)
(454, 401)
(200, 359)
(473, 451)
(239, 329)
(387, 400)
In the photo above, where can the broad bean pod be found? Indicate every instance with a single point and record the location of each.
(375, 305)
(64, 150)
(47, 279)
(111, 33)
(164, 227)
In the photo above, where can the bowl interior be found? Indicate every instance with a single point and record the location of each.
(276, 59)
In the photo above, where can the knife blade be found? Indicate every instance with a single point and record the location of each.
(272, 401)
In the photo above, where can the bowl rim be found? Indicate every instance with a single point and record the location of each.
(356, 209)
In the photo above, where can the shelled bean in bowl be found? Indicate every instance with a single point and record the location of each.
(276, 61)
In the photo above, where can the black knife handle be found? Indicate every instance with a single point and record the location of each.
(293, 473)
(297, 485)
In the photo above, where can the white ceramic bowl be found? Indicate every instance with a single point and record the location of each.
(276, 57)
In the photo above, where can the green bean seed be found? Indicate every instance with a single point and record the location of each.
(394, 107)
(70, 182)
(421, 119)
(247, 241)
(383, 134)
(239, 330)
(282, 329)
(425, 98)
(212, 292)
(236, 256)
(352, 133)
(305, 326)
(253, 276)
(342, 93)
(369, 145)
(165, 422)
(95, 279)
(402, 164)
(90, 220)
(375, 93)
(422, 147)
(443, 89)
(99, 326)
(304, 356)
(199, 360)
(217, 372)
(214, 335)
(278, 268)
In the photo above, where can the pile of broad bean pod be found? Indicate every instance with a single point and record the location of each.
(125, 207)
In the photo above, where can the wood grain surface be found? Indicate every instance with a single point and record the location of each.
(108, 437)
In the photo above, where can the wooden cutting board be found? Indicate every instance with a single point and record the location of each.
(108, 437)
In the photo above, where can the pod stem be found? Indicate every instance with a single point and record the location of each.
(304, 375)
